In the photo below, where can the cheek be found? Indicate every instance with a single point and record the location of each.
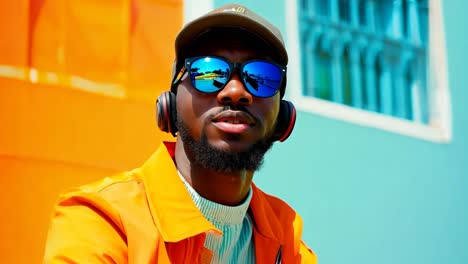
(273, 118)
(189, 109)
(270, 111)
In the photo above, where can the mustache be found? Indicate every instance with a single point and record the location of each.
(242, 108)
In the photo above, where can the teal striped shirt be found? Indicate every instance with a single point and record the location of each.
(235, 245)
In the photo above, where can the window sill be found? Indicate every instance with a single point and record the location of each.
(432, 132)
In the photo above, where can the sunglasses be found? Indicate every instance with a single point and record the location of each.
(210, 74)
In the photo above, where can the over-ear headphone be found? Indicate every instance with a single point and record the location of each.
(286, 120)
(166, 115)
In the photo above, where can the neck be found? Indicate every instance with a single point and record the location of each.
(220, 187)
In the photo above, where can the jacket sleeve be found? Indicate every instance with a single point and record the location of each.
(85, 229)
(307, 255)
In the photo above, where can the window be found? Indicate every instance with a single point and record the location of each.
(371, 62)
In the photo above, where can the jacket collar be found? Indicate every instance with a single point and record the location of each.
(264, 217)
(268, 230)
(177, 217)
(174, 213)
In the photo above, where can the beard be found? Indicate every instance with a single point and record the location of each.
(207, 156)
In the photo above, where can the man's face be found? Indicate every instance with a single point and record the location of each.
(230, 123)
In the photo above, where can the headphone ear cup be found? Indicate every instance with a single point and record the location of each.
(166, 113)
(286, 120)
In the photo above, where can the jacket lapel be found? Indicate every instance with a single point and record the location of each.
(267, 242)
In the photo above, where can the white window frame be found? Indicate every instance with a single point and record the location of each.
(195, 9)
(439, 128)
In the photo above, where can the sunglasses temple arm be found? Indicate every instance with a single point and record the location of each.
(179, 76)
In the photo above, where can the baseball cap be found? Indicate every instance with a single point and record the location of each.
(232, 16)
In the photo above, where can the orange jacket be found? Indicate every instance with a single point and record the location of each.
(147, 216)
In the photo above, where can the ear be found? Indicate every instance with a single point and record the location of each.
(286, 120)
(166, 113)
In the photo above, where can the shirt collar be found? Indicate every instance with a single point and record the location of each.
(219, 214)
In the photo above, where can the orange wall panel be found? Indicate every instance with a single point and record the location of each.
(96, 39)
(55, 134)
(58, 123)
(14, 17)
(47, 33)
(151, 24)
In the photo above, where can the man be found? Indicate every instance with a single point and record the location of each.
(194, 201)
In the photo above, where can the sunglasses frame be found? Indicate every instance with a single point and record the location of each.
(233, 66)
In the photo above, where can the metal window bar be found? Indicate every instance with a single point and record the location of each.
(356, 77)
(369, 54)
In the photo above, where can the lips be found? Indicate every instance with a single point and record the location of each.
(233, 122)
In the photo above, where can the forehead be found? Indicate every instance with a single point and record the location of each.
(212, 43)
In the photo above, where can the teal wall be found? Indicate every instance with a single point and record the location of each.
(372, 197)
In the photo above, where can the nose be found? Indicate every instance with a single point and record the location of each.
(235, 92)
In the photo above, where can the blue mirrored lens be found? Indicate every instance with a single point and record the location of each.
(209, 74)
(262, 79)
